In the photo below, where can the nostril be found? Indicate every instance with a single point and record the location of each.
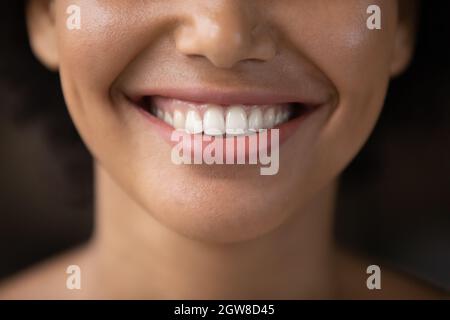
(223, 43)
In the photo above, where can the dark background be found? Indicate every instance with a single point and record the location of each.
(394, 200)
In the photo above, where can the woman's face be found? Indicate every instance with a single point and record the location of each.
(316, 53)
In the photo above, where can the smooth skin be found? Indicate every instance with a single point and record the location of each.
(218, 232)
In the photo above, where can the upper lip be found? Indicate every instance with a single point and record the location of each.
(203, 95)
(274, 83)
(220, 97)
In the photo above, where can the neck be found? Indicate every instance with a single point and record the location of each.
(137, 257)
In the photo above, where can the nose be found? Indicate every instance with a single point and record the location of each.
(227, 33)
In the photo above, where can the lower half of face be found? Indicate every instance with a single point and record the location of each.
(312, 70)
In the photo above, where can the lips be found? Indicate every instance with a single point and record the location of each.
(225, 124)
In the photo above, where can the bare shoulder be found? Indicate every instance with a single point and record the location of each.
(46, 280)
(394, 284)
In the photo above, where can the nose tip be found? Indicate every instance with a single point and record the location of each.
(226, 37)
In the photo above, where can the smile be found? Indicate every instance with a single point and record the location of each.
(228, 116)
(213, 119)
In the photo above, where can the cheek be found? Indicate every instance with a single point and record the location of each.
(112, 34)
(359, 65)
(92, 58)
(357, 61)
(89, 59)
(334, 36)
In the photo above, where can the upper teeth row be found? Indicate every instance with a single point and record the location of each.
(216, 121)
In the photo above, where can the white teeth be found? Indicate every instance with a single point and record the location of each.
(269, 118)
(256, 120)
(160, 114)
(236, 121)
(279, 117)
(178, 120)
(213, 121)
(168, 118)
(194, 124)
(286, 115)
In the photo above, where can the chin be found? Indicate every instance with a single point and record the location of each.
(208, 205)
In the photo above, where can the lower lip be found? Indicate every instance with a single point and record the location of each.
(165, 131)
